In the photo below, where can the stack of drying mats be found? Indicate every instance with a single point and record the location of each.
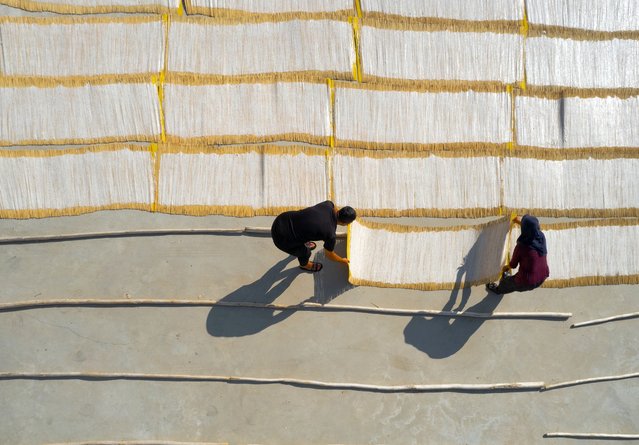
(411, 108)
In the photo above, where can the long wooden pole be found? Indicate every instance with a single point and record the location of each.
(461, 387)
(308, 306)
(605, 320)
(131, 233)
(137, 442)
(593, 436)
(592, 380)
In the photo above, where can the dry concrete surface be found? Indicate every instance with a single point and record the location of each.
(310, 345)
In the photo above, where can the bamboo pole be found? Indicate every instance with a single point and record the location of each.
(592, 380)
(460, 387)
(593, 436)
(307, 306)
(605, 320)
(146, 232)
(136, 442)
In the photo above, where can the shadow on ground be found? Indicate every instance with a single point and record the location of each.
(237, 322)
(442, 336)
(333, 280)
(330, 282)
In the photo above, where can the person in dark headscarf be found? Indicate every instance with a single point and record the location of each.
(530, 255)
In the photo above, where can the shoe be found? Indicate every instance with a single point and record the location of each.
(316, 267)
(491, 287)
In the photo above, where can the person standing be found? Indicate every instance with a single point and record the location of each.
(530, 255)
(295, 232)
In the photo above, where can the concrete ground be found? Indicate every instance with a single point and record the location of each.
(311, 345)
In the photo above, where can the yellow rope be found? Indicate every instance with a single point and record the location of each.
(358, 8)
(155, 159)
(523, 30)
(357, 66)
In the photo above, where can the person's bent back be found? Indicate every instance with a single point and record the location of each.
(295, 232)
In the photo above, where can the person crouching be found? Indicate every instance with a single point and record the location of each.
(530, 255)
(295, 232)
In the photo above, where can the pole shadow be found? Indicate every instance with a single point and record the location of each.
(239, 322)
(441, 336)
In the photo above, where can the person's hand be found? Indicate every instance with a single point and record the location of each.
(506, 268)
(346, 260)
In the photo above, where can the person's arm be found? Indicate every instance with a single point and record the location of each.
(514, 261)
(335, 257)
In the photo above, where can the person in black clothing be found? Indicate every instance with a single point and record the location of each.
(294, 232)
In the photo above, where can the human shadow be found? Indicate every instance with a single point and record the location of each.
(443, 336)
(333, 281)
(238, 322)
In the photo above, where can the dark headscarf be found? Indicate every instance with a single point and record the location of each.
(531, 234)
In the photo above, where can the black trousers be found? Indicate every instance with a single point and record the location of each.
(508, 285)
(284, 240)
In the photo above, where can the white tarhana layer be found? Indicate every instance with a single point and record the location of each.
(91, 179)
(245, 179)
(430, 256)
(81, 49)
(90, 112)
(597, 184)
(404, 183)
(273, 6)
(575, 122)
(591, 251)
(420, 55)
(88, 5)
(253, 48)
(476, 10)
(582, 63)
(255, 109)
(600, 15)
(421, 118)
